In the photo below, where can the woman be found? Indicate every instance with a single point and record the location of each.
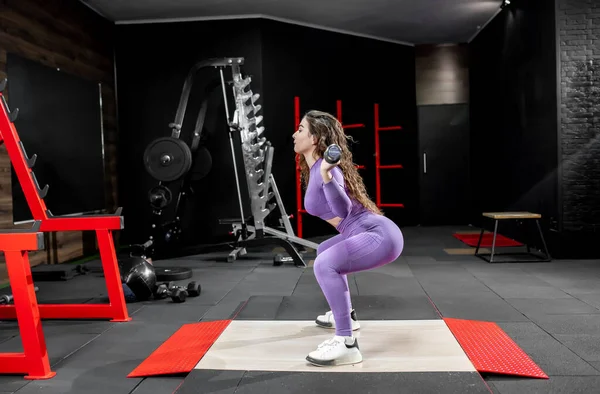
(366, 239)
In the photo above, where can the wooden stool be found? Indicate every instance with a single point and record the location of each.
(497, 216)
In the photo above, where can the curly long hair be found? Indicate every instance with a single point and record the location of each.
(328, 130)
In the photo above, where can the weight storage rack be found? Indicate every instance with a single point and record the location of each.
(26, 310)
(257, 156)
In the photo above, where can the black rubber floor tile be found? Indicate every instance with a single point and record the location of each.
(224, 310)
(169, 311)
(555, 385)
(585, 346)
(549, 353)
(59, 347)
(308, 289)
(260, 308)
(397, 269)
(103, 364)
(394, 308)
(375, 283)
(12, 383)
(416, 260)
(367, 308)
(592, 299)
(59, 344)
(159, 384)
(588, 324)
(100, 379)
(560, 306)
(444, 279)
(200, 382)
(485, 306)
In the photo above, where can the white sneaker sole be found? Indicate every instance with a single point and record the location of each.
(351, 358)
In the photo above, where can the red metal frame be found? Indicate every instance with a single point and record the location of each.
(338, 105)
(33, 361)
(103, 225)
(299, 203)
(378, 165)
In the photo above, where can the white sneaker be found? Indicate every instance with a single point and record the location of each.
(327, 320)
(336, 351)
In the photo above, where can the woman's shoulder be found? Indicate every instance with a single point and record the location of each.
(317, 165)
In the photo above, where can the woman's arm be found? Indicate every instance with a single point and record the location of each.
(335, 193)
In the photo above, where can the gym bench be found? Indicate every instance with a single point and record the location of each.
(496, 217)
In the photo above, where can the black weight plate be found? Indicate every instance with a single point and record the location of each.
(172, 273)
(167, 159)
(202, 163)
(160, 196)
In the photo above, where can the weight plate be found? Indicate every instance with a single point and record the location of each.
(160, 197)
(167, 159)
(202, 164)
(173, 273)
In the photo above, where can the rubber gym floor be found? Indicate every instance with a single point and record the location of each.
(550, 310)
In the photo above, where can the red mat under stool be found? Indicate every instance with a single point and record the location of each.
(182, 351)
(491, 350)
(486, 240)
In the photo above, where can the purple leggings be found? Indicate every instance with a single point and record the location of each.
(365, 242)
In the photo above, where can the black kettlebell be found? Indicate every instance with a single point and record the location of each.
(333, 153)
(139, 275)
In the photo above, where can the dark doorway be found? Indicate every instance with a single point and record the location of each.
(444, 155)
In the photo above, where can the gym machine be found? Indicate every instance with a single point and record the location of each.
(169, 159)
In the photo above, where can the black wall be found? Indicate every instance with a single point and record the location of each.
(285, 61)
(578, 27)
(59, 121)
(513, 106)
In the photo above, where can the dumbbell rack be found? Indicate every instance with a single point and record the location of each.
(257, 155)
(103, 225)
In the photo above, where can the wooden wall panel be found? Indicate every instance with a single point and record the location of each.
(68, 35)
(442, 74)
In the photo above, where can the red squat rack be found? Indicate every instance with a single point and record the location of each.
(299, 195)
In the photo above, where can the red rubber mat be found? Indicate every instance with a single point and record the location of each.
(182, 351)
(491, 350)
(486, 241)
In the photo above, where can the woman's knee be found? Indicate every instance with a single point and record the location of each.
(320, 267)
(328, 265)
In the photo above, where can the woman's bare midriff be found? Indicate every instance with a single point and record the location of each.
(335, 221)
